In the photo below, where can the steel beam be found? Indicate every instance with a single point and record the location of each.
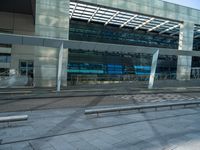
(169, 29)
(144, 23)
(112, 18)
(128, 21)
(158, 26)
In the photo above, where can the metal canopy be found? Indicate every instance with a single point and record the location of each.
(91, 13)
(93, 46)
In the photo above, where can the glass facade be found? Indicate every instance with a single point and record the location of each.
(5, 58)
(196, 45)
(115, 66)
(80, 30)
(110, 65)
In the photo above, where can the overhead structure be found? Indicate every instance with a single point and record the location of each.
(92, 46)
(121, 18)
(93, 14)
(110, 19)
(158, 26)
(125, 19)
(169, 29)
(144, 23)
(72, 12)
(129, 20)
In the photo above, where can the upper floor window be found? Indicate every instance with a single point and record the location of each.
(5, 58)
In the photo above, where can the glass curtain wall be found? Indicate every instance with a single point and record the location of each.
(94, 67)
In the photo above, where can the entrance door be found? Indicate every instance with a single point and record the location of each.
(195, 73)
(26, 69)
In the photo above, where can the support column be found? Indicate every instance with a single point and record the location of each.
(153, 69)
(51, 20)
(60, 60)
(184, 63)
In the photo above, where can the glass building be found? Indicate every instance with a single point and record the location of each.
(156, 24)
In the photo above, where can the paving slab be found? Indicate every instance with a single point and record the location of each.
(60, 123)
(70, 129)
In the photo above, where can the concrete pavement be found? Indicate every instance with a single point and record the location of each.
(65, 129)
(8, 105)
(94, 90)
(59, 123)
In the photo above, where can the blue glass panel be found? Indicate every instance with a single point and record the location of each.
(85, 71)
(142, 73)
(142, 70)
(143, 67)
(114, 69)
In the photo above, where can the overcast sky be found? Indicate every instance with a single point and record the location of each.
(188, 3)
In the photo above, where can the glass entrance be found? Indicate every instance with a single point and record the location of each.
(26, 69)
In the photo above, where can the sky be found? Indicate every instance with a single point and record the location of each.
(189, 3)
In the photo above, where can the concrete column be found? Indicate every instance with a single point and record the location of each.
(153, 69)
(186, 36)
(51, 20)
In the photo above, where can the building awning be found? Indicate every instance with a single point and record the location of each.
(84, 45)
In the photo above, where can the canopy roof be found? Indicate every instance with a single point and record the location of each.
(106, 16)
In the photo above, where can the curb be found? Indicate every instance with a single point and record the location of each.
(60, 95)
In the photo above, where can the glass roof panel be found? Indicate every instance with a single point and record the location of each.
(90, 10)
(123, 18)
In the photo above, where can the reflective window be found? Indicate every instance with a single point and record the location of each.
(5, 58)
(80, 30)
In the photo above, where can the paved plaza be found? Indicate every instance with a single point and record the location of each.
(70, 129)
(60, 124)
(91, 99)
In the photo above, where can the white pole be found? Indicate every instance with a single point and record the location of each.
(153, 69)
(60, 60)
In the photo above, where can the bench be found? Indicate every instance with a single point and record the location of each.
(13, 118)
(141, 107)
